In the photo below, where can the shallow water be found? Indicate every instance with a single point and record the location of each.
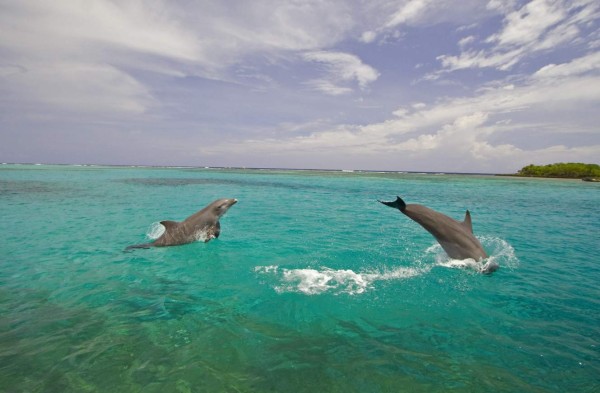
(312, 286)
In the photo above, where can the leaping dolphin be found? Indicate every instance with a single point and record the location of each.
(455, 237)
(203, 225)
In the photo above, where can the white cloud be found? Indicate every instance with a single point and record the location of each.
(539, 25)
(401, 112)
(588, 63)
(459, 133)
(127, 57)
(328, 87)
(408, 12)
(482, 59)
(529, 23)
(368, 36)
(122, 38)
(466, 41)
(79, 87)
(341, 68)
(501, 5)
(88, 29)
(430, 12)
(74, 54)
(394, 15)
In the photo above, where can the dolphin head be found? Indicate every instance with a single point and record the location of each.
(220, 206)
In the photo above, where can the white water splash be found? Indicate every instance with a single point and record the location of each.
(500, 253)
(314, 282)
(203, 236)
(155, 231)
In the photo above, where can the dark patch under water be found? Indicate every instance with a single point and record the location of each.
(27, 187)
(181, 182)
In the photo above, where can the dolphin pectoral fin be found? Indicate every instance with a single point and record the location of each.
(210, 232)
(168, 224)
(467, 222)
(214, 231)
(398, 204)
(145, 245)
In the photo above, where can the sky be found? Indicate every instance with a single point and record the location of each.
(480, 86)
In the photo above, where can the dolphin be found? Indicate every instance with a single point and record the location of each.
(455, 237)
(202, 225)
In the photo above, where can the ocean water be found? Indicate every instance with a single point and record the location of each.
(312, 286)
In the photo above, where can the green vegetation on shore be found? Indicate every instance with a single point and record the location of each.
(571, 170)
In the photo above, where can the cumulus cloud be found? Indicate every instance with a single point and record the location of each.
(341, 68)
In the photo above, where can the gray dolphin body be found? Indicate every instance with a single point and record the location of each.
(455, 237)
(201, 225)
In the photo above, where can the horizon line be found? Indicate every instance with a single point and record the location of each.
(343, 170)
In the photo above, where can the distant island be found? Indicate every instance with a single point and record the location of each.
(570, 170)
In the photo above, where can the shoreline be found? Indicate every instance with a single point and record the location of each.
(586, 179)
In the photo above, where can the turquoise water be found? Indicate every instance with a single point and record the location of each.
(312, 286)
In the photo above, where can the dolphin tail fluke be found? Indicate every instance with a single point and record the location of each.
(398, 204)
(144, 245)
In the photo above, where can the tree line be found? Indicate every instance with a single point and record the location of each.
(567, 170)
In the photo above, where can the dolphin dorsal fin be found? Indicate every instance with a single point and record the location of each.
(168, 224)
(467, 222)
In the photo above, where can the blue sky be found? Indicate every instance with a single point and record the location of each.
(417, 85)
